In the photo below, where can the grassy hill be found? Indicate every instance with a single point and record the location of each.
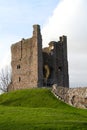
(38, 109)
(31, 98)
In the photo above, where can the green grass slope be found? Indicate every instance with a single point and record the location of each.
(38, 97)
(38, 109)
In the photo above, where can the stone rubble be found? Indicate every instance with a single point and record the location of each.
(76, 97)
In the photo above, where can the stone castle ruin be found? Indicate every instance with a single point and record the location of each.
(34, 66)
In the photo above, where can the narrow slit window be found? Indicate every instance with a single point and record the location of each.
(19, 79)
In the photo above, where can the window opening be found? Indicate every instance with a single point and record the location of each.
(18, 66)
(59, 68)
(19, 79)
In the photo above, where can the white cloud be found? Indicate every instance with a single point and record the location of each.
(70, 19)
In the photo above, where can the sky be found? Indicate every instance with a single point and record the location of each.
(56, 18)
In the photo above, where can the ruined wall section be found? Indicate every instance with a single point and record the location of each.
(38, 60)
(65, 63)
(55, 56)
(76, 97)
(25, 61)
(62, 62)
(49, 64)
(52, 48)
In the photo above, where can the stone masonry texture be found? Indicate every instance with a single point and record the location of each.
(76, 97)
(34, 66)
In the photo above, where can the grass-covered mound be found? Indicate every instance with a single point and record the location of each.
(38, 109)
(38, 97)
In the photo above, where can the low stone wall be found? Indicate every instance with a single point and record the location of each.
(76, 97)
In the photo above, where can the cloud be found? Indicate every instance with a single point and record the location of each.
(70, 18)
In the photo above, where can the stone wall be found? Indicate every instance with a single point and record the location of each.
(76, 97)
(55, 57)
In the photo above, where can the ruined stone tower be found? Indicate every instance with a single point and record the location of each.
(27, 63)
(55, 63)
(33, 66)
